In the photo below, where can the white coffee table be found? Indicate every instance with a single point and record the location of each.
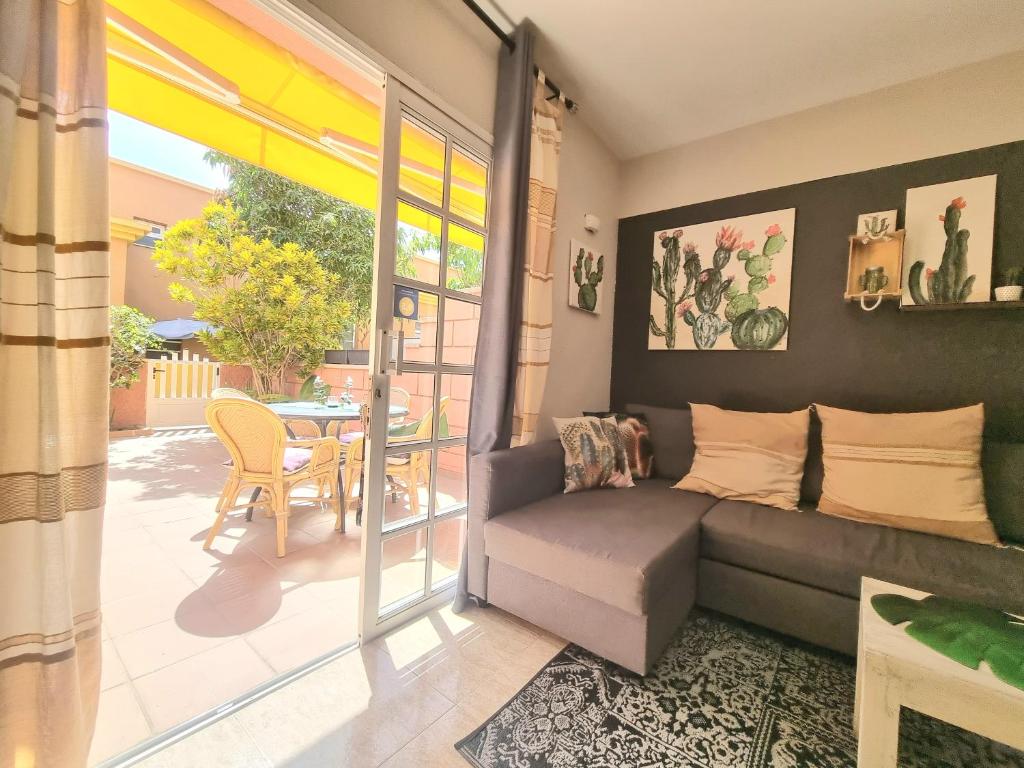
(894, 670)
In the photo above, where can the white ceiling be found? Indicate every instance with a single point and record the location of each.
(652, 74)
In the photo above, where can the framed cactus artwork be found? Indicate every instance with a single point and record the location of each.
(586, 276)
(723, 285)
(947, 258)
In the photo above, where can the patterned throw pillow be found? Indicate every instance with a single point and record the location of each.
(636, 434)
(595, 454)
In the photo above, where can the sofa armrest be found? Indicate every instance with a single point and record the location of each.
(501, 481)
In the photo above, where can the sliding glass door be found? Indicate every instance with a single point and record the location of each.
(430, 244)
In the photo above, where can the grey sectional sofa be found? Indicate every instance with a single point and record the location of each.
(617, 571)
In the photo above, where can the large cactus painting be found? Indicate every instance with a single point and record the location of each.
(948, 254)
(736, 300)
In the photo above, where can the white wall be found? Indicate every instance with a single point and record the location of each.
(581, 343)
(439, 42)
(974, 106)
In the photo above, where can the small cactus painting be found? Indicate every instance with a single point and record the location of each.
(738, 302)
(948, 254)
(586, 273)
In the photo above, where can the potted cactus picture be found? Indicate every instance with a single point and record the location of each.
(948, 253)
(586, 273)
(738, 301)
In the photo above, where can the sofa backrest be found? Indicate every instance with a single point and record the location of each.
(1002, 465)
(672, 438)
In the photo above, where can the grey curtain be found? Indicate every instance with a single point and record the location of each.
(494, 381)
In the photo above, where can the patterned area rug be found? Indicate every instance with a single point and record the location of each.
(725, 693)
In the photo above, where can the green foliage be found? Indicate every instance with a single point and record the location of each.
(950, 283)
(969, 634)
(283, 211)
(130, 337)
(754, 328)
(708, 292)
(275, 307)
(465, 264)
(587, 278)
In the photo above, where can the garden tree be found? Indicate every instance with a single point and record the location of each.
(339, 233)
(284, 211)
(275, 307)
(130, 337)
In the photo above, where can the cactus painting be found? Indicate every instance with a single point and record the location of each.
(948, 254)
(586, 272)
(740, 301)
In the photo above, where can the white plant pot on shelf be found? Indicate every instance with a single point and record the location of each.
(1009, 293)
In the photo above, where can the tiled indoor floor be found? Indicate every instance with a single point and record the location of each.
(400, 701)
(185, 630)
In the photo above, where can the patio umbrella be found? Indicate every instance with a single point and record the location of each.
(180, 329)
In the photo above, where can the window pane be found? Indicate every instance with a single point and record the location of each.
(451, 479)
(412, 393)
(469, 187)
(461, 325)
(449, 537)
(418, 250)
(422, 162)
(403, 568)
(408, 488)
(455, 391)
(465, 260)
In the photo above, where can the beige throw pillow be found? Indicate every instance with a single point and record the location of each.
(595, 454)
(748, 456)
(919, 471)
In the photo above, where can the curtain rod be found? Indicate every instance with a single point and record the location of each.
(509, 43)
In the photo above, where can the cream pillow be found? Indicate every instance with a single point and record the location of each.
(919, 471)
(595, 454)
(748, 456)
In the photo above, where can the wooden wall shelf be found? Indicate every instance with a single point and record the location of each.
(964, 306)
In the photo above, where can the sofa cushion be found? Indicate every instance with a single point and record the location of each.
(672, 438)
(833, 553)
(618, 546)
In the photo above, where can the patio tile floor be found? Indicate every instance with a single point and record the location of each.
(184, 629)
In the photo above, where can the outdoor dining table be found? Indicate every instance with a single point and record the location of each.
(321, 415)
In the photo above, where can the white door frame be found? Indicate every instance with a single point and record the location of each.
(398, 101)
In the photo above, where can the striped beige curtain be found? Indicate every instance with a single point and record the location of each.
(538, 280)
(54, 356)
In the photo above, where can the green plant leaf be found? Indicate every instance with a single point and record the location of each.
(967, 633)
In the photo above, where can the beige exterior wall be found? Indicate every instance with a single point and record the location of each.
(970, 107)
(139, 193)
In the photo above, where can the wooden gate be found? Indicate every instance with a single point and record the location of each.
(178, 388)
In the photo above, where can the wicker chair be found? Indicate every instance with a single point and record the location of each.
(303, 429)
(262, 456)
(399, 396)
(220, 392)
(410, 470)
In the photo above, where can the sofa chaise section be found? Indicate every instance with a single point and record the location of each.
(612, 570)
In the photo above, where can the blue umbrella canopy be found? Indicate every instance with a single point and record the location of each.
(180, 329)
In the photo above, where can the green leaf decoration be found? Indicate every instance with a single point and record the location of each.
(967, 633)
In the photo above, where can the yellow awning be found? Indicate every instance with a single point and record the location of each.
(191, 69)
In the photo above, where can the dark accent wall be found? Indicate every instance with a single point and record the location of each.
(839, 355)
